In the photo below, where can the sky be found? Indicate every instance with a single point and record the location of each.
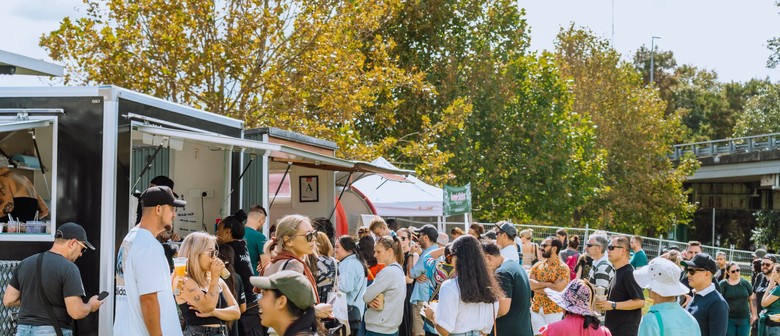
(728, 37)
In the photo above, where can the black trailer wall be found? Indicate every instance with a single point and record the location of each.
(79, 151)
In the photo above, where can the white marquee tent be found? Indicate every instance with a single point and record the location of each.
(396, 198)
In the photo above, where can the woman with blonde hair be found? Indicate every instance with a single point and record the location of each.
(295, 241)
(531, 252)
(206, 302)
(386, 295)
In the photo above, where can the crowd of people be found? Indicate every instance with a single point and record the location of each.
(387, 280)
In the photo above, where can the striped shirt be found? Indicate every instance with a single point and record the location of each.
(602, 272)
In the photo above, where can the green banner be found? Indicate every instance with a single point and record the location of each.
(457, 200)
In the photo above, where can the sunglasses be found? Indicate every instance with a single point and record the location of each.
(692, 271)
(613, 247)
(211, 253)
(766, 264)
(83, 247)
(543, 245)
(735, 271)
(309, 236)
(403, 238)
(591, 245)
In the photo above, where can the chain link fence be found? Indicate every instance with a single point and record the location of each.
(7, 324)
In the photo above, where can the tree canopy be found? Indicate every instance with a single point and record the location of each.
(641, 188)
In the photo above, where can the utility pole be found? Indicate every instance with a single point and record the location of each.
(652, 57)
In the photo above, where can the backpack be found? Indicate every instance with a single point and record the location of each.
(571, 261)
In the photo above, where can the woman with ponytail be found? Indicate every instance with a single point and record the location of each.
(352, 280)
(386, 295)
(230, 232)
(294, 242)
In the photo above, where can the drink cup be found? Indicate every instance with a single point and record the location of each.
(180, 266)
(225, 273)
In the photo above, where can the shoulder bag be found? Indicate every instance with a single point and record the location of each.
(49, 309)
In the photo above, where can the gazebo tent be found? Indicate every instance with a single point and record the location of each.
(392, 197)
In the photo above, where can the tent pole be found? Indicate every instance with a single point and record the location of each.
(341, 194)
(289, 164)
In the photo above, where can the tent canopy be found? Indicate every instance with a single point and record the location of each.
(392, 197)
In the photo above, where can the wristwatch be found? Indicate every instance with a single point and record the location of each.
(614, 305)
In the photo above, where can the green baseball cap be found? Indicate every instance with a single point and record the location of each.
(295, 286)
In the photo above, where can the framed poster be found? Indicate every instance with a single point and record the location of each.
(309, 189)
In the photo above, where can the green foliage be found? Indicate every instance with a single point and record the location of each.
(709, 108)
(526, 155)
(767, 229)
(314, 67)
(642, 191)
(762, 113)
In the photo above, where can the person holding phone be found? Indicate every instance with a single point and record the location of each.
(62, 283)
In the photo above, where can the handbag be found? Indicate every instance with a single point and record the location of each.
(49, 310)
(339, 301)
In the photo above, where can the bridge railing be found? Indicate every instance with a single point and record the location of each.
(727, 146)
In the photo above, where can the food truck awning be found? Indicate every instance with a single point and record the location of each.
(23, 125)
(282, 154)
(211, 139)
(15, 64)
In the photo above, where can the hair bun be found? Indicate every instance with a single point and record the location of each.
(240, 215)
(575, 238)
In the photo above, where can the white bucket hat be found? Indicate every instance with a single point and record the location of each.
(661, 276)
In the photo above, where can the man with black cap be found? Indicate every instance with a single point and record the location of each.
(505, 239)
(144, 297)
(62, 285)
(708, 307)
(760, 284)
(423, 272)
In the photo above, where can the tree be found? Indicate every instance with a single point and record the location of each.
(767, 228)
(664, 65)
(762, 113)
(642, 191)
(315, 67)
(526, 155)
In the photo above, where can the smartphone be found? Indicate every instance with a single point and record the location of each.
(102, 295)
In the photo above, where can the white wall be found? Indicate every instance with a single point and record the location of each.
(322, 208)
(196, 168)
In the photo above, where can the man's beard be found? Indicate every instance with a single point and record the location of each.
(547, 254)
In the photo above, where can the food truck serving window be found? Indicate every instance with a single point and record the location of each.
(28, 157)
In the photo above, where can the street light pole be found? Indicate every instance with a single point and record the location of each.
(652, 57)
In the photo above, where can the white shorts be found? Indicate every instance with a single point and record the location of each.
(540, 319)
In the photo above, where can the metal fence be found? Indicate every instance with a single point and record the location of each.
(653, 246)
(7, 325)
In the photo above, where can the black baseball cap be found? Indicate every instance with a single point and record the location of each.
(507, 228)
(702, 260)
(75, 231)
(490, 235)
(429, 230)
(160, 195)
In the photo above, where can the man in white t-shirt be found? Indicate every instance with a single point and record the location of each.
(505, 239)
(144, 298)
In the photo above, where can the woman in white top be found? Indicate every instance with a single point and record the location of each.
(386, 295)
(468, 303)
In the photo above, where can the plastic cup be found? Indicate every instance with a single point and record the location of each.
(180, 266)
(225, 273)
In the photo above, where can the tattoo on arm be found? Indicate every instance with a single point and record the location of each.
(196, 298)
